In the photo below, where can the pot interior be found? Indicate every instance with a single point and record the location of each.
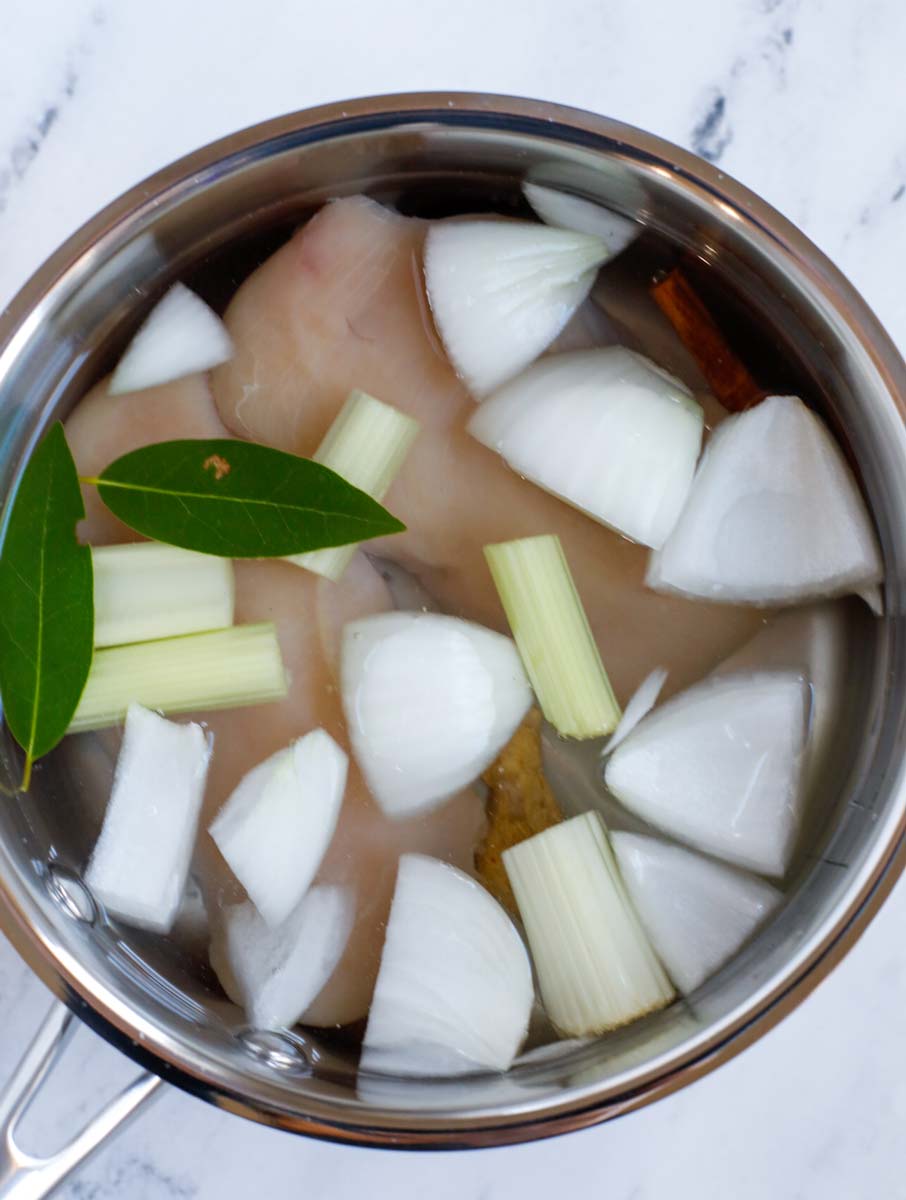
(210, 225)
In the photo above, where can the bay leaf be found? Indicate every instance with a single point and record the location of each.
(238, 499)
(46, 602)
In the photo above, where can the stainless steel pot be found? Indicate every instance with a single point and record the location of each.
(155, 999)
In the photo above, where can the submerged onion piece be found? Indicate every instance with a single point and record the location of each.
(774, 515)
(564, 211)
(454, 991)
(276, 826)
(181, 336)
(139, 866)
(719, 766)
(596, 968)
(696, 912)
(430, 700)
(276, 972)
(605, 430)
(640, 705)
(501, 291)
(817, 641)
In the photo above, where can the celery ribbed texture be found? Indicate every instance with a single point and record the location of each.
(228, 668)
(553, 635)
(366, 445)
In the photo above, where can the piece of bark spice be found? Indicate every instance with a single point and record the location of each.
(520, 805)
(728, 378)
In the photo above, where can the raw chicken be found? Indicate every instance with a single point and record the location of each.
(342, 305)
(309, 613)
(102, 427)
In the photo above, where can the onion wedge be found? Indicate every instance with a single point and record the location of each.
(181, 336)
(501, 291)
(430, 701)
(696, 912)
(774, 515)
(276, 826)
(139, 866)
(565, 211)
(454, 991)
(275, 973)
(719, 766)
(606, 430)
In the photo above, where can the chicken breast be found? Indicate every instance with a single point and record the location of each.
(309, 613)
(102, 427)
(342, 305)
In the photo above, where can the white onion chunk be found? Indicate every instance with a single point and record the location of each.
(276, 826)
(275, 973)
(719, 766)
(139, 866)
(774, 515)
(605, 430)
(430, 700)
(181, 336)
(454, 991)
(696, 912)
(501, 291)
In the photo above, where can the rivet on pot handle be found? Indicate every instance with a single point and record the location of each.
(24, 1176)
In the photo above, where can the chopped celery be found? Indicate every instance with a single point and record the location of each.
(228, 668)
(553, 635)
(145, 590)
(366, 445)
(596, 968)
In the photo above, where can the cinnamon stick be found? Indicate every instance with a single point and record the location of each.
(727, 377)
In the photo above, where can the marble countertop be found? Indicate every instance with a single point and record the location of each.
(802, 102)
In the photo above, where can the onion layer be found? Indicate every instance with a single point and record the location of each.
(696, 912)
(606, 430)
(640, 704)
(276, 826)
(430, 700)
(181, 336)
(774, 515)
(275, 973)
(565, 211)
(719, 767)
(454, 991)
(501, 291)
(139, 866)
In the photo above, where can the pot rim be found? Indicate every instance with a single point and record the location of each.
(32, 931)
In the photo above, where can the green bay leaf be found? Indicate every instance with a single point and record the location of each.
(238, 499)
(47, 610)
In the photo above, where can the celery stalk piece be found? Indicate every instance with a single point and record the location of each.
(145, 590)
(596, 968)
(139, 866)
(228, 668)
(553, 635)
(366, 445)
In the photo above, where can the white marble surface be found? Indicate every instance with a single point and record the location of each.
(803, 102)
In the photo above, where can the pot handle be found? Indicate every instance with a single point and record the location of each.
(24, 1176)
